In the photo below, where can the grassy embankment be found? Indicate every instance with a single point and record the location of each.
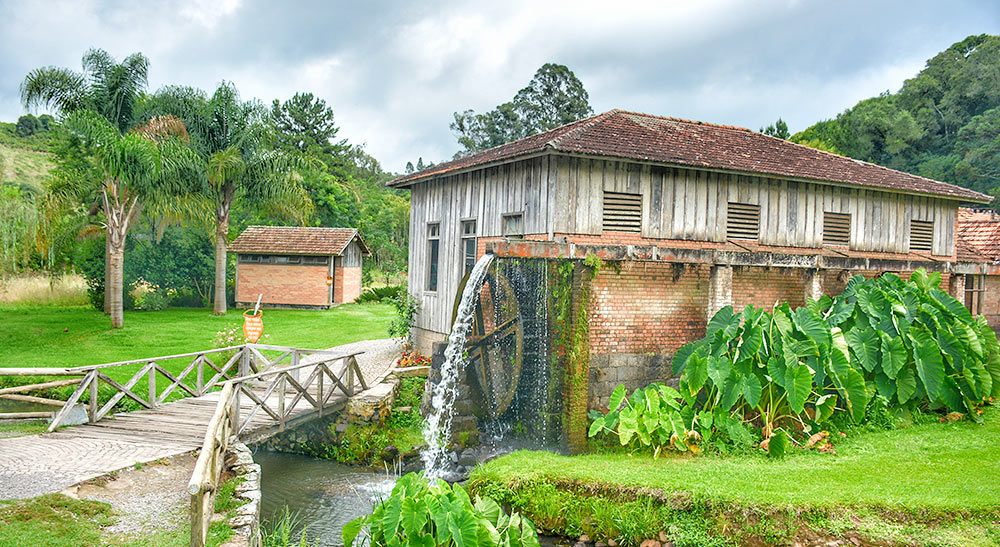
(930, 484)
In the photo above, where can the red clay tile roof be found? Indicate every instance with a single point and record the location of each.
(631, 135)
(296, 240)
(980, 230)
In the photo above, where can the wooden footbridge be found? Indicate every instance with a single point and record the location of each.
(184, 402)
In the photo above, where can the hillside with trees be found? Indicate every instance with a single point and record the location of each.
(944, 123)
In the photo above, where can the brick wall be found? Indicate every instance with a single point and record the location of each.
(347, 284)
(647, 307)
(295, 285)
(763, 287)
(991, 301)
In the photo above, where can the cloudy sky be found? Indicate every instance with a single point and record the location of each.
(395, 71)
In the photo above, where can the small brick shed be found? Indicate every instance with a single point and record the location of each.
(298, 267)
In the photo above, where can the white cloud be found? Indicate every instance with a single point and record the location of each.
(395, 72)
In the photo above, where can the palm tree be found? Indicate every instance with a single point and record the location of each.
(146, 165)
(109, 88)
(242, 165)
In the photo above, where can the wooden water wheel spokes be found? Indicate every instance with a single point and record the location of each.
(494, 346)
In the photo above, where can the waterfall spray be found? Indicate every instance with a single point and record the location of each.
(437, 430)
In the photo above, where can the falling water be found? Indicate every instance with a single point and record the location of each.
(437, 430)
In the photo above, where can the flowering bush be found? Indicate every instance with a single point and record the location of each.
(233, 336)
(413, 358)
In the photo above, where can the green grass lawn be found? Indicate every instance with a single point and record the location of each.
(949, 466)
(946, 476)
(74, 336)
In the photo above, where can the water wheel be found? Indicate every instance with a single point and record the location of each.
(495, 344)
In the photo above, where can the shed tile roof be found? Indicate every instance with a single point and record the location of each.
(296, 240)
(980, 230)
(644, 137)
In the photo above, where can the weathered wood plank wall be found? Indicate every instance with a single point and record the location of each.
(564, 195)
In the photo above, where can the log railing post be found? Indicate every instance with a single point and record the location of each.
(152, 383)
(281, 400)
(93, 405)
(319, 389)
(200, 378)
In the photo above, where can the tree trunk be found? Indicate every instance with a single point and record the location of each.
(115, 286)
(107, 273)
(221, 231)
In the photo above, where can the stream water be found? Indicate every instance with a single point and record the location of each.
(324, 495)
(321, 494)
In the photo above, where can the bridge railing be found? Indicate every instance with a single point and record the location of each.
(200, 372)
(277, 392)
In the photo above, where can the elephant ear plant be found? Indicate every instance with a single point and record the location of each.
(787, 371)
(421, 513)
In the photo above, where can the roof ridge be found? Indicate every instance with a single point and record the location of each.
(579, 126)
(683, 120)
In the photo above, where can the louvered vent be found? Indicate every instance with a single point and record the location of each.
(622, 212)
(836, 228)
(742, 221)
(921, 235)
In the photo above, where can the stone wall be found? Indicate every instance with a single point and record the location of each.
(246, 523)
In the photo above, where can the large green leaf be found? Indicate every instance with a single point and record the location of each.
(719, 369)
(825, 406)
(968, 337)
(351, 530)
(798, 385)
(596, 427)
(724, 319)
(696, 373)
(413, 515)
(893, 355)
(617, 397)
(951, 305)
(750, 388)
(854, 390)
(885, 385)
(951, 395)
(750, 342)
(906, 385)
(778, 444)
(812, 325)
(952, 347)
(390, 520)
(930, 365)
(864, 342)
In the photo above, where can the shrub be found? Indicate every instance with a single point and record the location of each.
(407, 307)
(380, 294)
(418, 512)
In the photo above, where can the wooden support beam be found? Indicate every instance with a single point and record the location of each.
(43, 385)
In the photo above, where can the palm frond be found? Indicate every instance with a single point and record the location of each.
(60, 89)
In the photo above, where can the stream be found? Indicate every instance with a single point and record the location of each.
(325, 495)
(322, 494)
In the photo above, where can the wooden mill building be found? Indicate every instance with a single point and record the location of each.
(696, 215)
(297, 267)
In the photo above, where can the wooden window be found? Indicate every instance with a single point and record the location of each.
(622, 212)
(975, 288)
(433, 252)
(742, 221)
(316, 260)
(836, 228)
(253, 259)
(468, 245)
(285, 259)
(921, 235)
(512, 225)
